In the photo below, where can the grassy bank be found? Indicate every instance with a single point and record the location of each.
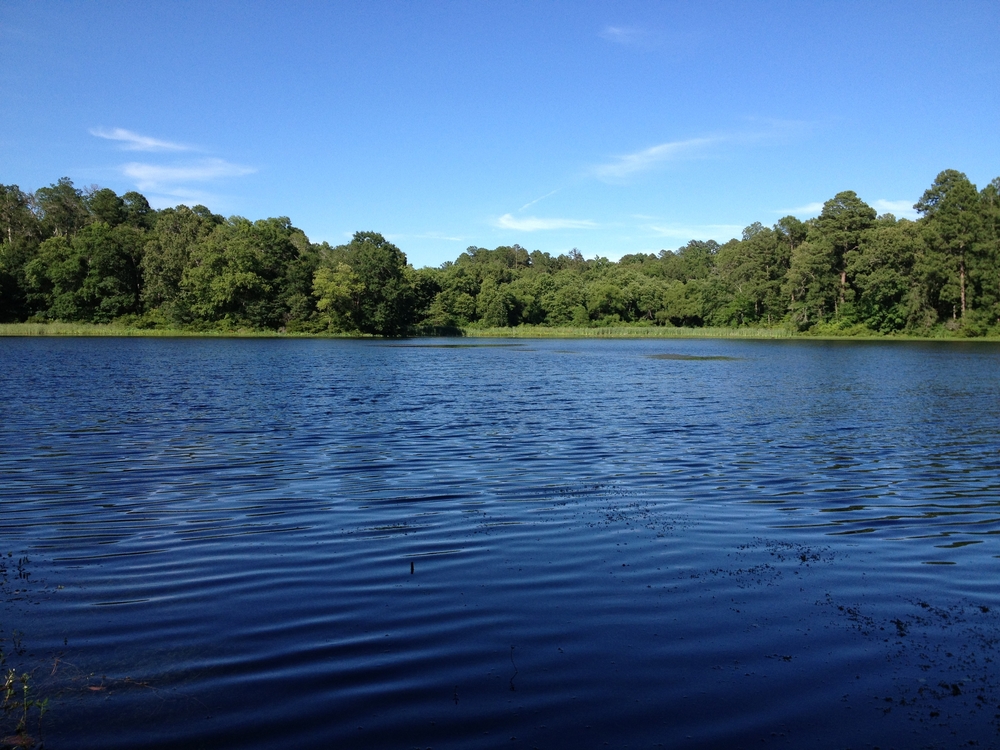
(666, 332)
(522, 331)
(112, 329)
(629, 332)
(92, 329)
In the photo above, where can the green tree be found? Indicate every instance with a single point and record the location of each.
(528, 292)
(752, 272)
(683, 303)
(338, 290)
(604, 300)
(138, 212)
(53, 278)
(693, 261)
(20, 235)
(425, 285)
(166, 256)
(791, 232)
(882, 272)
(113, 283)
(106, 206)
(952, 221)
(810, 287)
(986, 274)
(495, 305)
(62, 208)
(18, 223)
(842, 224)
(238, 275)
(92, 276)
(381, 306)
(563, 299)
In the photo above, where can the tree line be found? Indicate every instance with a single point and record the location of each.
(93, 256)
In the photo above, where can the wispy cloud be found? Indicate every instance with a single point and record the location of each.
(532, 203)
(534, 224)
(134, 142)
(155, 176)
(171, 197)
(622, 34)
(641, 161)
(760, 130)
(900, 209)
(176, 180)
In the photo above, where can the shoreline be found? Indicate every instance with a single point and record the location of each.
(22, 330)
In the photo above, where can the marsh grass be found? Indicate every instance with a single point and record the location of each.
(19, 707)
(521, 331)
(629, 332)
(93, 329)
(116, 330)
(664, 332)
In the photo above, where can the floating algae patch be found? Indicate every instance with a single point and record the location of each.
(689, 357)
(454, 346)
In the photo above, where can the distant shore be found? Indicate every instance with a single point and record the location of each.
(523, 331)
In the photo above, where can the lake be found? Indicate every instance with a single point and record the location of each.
(454, 543)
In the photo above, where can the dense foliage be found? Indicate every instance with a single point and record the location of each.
(94, 256)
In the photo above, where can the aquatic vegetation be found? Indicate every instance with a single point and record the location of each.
(21, 710)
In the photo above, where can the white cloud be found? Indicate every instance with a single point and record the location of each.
(134, 142)
(622, 34)
(533, 224)
(640, 161)
(164, 183)
(809, 209)
(155, 176)
(900, 209)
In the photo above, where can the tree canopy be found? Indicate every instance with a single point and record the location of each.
(92, 255)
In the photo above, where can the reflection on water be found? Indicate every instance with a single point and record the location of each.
(266, 543)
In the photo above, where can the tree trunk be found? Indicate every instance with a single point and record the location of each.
(961, 281)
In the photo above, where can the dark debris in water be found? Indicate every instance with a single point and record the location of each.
(761, 561)
(942, 659)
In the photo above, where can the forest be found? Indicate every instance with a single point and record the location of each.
(93, 256)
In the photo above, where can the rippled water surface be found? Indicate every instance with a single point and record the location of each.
(657, 543)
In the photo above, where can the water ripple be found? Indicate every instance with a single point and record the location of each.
(358, 543)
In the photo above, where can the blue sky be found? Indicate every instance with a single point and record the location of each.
(609, 127)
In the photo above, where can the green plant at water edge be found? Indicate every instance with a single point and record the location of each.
(18, 708)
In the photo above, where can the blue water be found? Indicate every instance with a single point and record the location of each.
(656, 543)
